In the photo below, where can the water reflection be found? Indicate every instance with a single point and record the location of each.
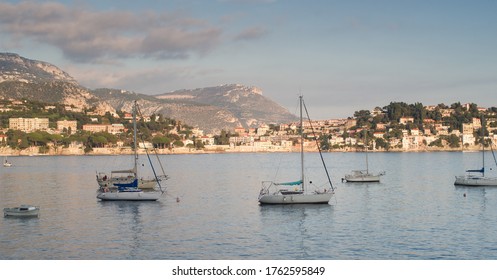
(300, 225)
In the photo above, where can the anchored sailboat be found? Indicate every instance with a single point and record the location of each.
(129, 187)
(363, 176)
(297, 192)
(6, 163)
(472, 178)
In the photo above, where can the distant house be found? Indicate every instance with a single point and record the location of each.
(115, 128)
(381, 126)
(240, 130)
(128, 116)
(476, 123)
(70, 126)
(406, 120)
(187, 142)
(428, 121)
(95, 127)
(262, 129)
(447, 112)
(468, 128)
(206, 140)
(379, 134)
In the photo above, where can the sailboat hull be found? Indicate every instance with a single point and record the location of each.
(475, 181)
(362, 179)
(129, 196)
(362, 176)
(317, 198)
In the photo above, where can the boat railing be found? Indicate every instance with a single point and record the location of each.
(270, 187)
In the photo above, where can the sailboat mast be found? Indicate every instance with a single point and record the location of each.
(135, 168)
(366, 145)
(483, 145)
(301, 145)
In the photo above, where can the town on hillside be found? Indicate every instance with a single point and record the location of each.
(29, 128)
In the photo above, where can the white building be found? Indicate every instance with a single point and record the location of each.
(28, 124)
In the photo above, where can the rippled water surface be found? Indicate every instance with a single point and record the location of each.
(414, 213)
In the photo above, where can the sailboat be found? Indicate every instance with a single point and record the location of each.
(472, 178)
(363, 176)
(128, 187)
(6, 163)
(297, 192)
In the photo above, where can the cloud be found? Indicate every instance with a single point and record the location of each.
(251, 34)
(85, 35)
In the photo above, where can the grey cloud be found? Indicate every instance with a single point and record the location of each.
(251, 33)
(91, 36)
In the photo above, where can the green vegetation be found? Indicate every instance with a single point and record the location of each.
(158, 131)
(395, 121)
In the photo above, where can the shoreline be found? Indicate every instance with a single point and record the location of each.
(34, 151)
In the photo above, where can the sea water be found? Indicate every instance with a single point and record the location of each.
(210, 210)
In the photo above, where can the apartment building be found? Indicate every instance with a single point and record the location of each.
(28, 124)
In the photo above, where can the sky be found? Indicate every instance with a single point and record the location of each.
(342, 56)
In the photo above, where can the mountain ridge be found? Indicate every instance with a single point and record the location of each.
(211, 109)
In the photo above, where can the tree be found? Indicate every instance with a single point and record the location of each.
(362, 117)
(436, 143)
(98, 141)
(325, 143)
(37, 138)
(382, 144)
(178, 143)
(453, 141)
(161, 142)
(223, 138)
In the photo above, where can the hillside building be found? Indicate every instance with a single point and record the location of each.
(69, 126)
(28, 124)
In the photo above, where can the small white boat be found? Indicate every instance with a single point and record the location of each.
(362, 176)
(22, 211)
(473, 180)
(6, 163)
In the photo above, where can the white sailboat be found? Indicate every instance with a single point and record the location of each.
(6, 163)
(363, 176)
(472, 179)
(297, 192)
(129, 187)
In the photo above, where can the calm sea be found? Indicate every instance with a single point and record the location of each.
(414, 213)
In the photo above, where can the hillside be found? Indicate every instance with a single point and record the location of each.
(238, 104)
(22, 78)
(210, 109)
(16, 68)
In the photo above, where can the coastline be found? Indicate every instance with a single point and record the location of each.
(79, 151)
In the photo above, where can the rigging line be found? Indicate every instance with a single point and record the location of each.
(146, 151)
(493, 154)
(151, 165)
(155, 150)
(160, 163)
(317, 144)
